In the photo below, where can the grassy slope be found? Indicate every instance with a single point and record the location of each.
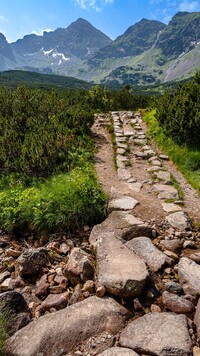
(13, 78)
(184, 158)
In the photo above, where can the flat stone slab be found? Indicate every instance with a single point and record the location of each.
(118, 351)
(121, 151)
(143, 247)
(140, 142)
(70, 328)
(189, 276)
(179, 221)
(122, 145)
(160, 334)
(156, 162)
(168, 190)
(125, 225)
(135, 187)
(120, 271)
(121, 158)
(123, 203)
(163, 175)
(129, 132)
(123, 174)
(171, 207)
(153, 169)
(120, 139)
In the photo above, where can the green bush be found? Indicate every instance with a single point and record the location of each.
(63, 202)
(178, 113)
(40, 131)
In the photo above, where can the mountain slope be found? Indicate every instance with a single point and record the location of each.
(181, 35)
(137, 39)
(13, 78)
(149, 52)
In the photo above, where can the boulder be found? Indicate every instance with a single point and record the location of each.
(118, 269)
(189, 272)
(143, 247)
(16, 311)
(160, 334)
(70, 329)
(177, 304)
(80, 266)
(179, 221)
(125, 225)
(31, 262)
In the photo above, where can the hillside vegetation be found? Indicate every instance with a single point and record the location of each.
(175, 125)
(47, 181)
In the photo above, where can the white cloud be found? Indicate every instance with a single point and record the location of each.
(188, 5)
(39, 32)
(93, 4)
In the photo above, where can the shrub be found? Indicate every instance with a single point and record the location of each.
(63, 202)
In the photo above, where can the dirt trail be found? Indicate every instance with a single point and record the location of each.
(150, 206)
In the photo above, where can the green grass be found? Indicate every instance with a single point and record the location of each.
(3, 334)
(186, 159)
(62, 203)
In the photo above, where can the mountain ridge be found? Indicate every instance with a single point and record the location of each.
(147, 52)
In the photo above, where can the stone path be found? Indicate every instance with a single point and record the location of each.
(131, 286)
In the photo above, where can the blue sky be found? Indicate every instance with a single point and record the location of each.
(113, 17)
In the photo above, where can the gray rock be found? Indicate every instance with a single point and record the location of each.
(160, 334)
(179, 221)
(189, 272)
(16, 310)
(197, 318)
(125, 225)
(177, 304)
(118, 351)
(153, 169)
(118, 269)
(79, 267)
(135, 187)
(123, 174)
(31, 262)
(171, 245)
(66, 330)
(144, 248)
(173, 287)
(166, 191)
(57, 301)
(4, 275)
(171, 208)
(123, 203)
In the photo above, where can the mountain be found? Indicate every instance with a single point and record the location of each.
(148, 53)
(181, 35)
(80, 39)
(137, 39)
